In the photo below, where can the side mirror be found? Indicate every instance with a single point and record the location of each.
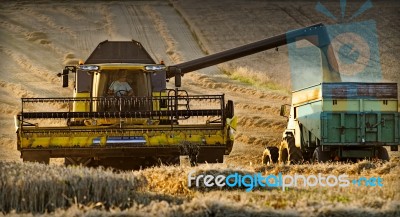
(65, 78)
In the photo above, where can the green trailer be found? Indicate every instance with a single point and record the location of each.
(339, 121)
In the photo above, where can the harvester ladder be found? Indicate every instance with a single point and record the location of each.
(178, 100)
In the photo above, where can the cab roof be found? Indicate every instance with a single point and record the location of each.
(119, 52)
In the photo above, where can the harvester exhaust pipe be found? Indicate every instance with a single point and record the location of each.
(178, 78)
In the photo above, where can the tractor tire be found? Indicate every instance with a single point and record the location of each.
(289, 153)
(382, 154)
(320, 156)
(270, 155)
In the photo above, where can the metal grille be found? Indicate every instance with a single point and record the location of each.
(153, 108)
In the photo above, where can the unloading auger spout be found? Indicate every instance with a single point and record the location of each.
(315, 34)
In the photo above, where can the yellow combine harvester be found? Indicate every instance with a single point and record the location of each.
(122, 115)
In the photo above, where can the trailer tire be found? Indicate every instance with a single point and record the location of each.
(320, 156)
(289, 153)
(382, 154)
(270, 155)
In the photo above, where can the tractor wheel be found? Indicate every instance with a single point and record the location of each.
(289, 153)
(382, 154)
(270, 155)
(320, 156)
(229, 146)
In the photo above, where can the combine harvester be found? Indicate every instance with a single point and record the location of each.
(146, 126)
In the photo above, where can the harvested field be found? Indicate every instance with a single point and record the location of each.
(164, 190)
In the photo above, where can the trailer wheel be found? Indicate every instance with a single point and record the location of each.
(289, 153)
(320, 156)
(270, 155)
(382, 154)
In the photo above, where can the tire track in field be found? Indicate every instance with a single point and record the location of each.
(177, 32)
(12, 27)
(10, 98)
(162, 29)
(49, 21)
(156, 43)
(135, 16)
(26, 64)
(73, 12)
(225, 84)
(32, 36)
(272, 123)
(268, 110)
(107, 16)
(133, 22)
(34, 77)
(257, 140)
(16, 90)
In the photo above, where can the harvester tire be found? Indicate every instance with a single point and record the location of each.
(289, 153)
(270, 155)
(320, 156)
(168, 160)
(36, 157)
(382, 154)
(76, 161)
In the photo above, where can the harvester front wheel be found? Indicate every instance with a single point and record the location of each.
(77, 161)
(168, 160)
(270, 155)
(289, 153)
(36, 157)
